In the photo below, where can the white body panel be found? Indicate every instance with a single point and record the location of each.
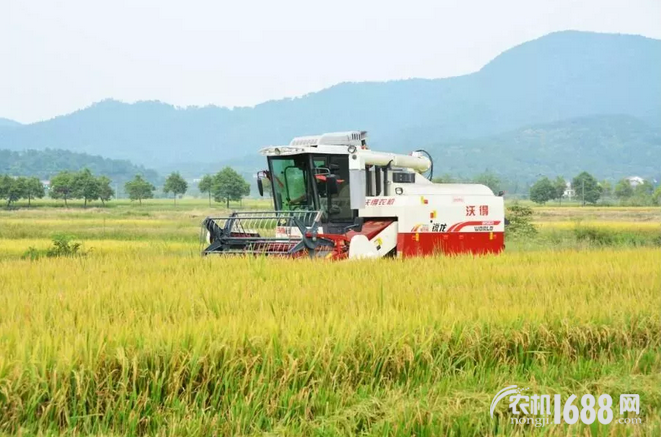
(361, 248)
(379, 246)
(439, 213)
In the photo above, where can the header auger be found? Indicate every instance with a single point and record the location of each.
(335, 198)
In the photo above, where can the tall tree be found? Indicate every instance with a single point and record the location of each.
(606, 188)
(489, 179)
(34, 189)
(560, 186)
(12, 189)
(86, 186)
(586, 187)
(657, 195)
(61, 186)
(643, 193)
(644, 189)
(623, 189)
(105, 190)
(175, 184)
(5, 185)
(206, 185)
(542, 191)
(229, 185)
(138, 189)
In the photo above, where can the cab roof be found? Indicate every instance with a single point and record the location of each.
(349, 138)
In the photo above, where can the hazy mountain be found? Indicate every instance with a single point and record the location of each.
(6, 123)
(557, 77)
(611, 146)
(46, 163)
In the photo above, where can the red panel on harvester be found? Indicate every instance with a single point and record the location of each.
(431, 243)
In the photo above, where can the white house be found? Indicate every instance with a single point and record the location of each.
(634, 181)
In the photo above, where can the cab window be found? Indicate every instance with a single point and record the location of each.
(290, 182)
(340, 205)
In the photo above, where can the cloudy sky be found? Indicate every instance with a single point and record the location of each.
(57, 56)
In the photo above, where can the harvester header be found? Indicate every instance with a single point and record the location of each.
(334, 197)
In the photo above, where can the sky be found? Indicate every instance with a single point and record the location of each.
(58, 56)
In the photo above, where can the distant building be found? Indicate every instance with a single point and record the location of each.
(569, 191)
(634, 181)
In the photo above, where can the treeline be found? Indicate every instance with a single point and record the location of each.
(44, 164)
(225, 186)
(584, 188)
(587, 189)
(228, 185)
(65, 185)
(13, 189)
(638, 195)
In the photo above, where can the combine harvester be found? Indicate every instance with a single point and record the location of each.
(336, 198)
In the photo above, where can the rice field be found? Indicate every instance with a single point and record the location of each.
(142, 336)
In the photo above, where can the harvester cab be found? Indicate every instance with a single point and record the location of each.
(333, 197)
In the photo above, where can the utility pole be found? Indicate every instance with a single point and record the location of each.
(583, 185)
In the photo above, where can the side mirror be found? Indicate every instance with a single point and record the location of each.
(332, 186)
(260, 187)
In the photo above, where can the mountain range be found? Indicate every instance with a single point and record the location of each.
(6, 123)
(567, 101)
(45, 164)
(613, 146)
